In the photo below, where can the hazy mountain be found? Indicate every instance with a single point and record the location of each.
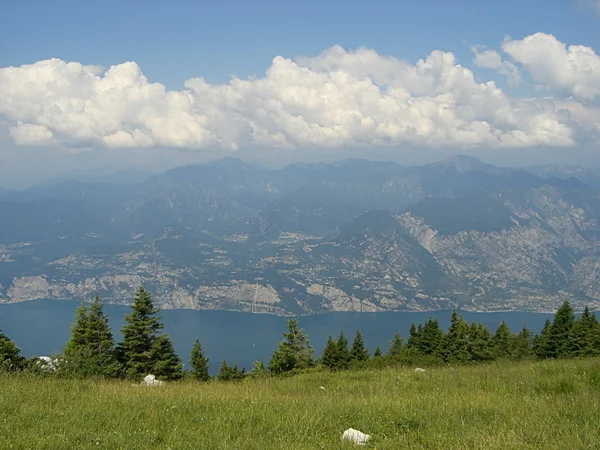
(356, 235)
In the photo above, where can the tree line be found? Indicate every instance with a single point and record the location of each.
(144, 349)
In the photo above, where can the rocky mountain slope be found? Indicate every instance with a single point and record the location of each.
(311, 238)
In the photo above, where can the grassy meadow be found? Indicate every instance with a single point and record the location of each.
(545, 405)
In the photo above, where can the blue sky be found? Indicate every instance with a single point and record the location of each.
(508, 81)
(176, 40)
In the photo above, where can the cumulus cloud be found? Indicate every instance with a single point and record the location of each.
(491, 59)
(572, 70)
(335, 100)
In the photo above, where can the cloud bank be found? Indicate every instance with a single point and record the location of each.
(338, 99)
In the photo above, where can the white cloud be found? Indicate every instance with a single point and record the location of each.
(491, 59)
(572, 70)
(335, 100)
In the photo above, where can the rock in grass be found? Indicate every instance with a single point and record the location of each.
(358, 437)
(150, 380)
(419, 370)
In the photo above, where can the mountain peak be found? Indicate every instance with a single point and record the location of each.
(463, 164)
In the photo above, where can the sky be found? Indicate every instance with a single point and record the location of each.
(98, 87)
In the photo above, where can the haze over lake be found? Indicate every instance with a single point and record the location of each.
(42, 327)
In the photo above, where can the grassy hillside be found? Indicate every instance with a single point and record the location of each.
(549, 405)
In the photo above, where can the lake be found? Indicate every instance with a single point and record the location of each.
(41, 327)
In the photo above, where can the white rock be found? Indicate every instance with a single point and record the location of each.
(322, 388)
(47, 363)
(419, 370)
(356, 436)
(150, 380)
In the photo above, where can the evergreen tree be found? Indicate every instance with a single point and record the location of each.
(343, 352)
(10, 355)
(230, 373)
(502, 340)
(520, 347)
(377, 352)
(359, 352)
(294, 352)
(91, 349)
(583, 334)
(396, 346)
(144, 350)
(541, 342)
(330, 357)
(199, 363)
(413, 337)
(258, 370)
(432, 338)
(456, 342)
(480, 343)
(561, 340)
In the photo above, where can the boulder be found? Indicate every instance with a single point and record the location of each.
(419, 370)
(150, 380)
(355, 436)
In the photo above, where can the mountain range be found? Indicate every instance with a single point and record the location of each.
(310, 238)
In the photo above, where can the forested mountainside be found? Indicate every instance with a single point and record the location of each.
(311, 238)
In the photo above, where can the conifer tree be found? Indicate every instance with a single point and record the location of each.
(432, 338)
(561, 340)
(413, 337)
(330, 358)
(144, 350)
(10, 355)
(199, 363)
(396, 346)
(480, 343)
(520, 347)
(358, 351)
(230, 373)
(502, 340)
(91, 349)
(377, 352)
(456, 342)
(541, 342)
(343, 352)
(294, 352)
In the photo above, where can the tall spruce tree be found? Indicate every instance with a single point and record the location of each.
(481, 347)
(343, 352)
(396, 346)
(90, 350)
(199, 363)
(230, 373)
(456, 342)
(583, 334)
(10, 355)
(561, 340)
(294, 352)
(377, 352)
(358, 351)
(520, 347)
(144, 350)
(541, 346)
(330, 358)
(432, 338)
(502, 341)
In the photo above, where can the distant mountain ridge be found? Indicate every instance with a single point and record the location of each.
(356, 235)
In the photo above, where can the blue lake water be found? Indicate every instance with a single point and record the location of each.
(42, 327)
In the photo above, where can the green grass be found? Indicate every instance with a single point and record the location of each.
(545, 405)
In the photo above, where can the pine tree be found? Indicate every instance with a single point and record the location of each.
(432, 338)
(144, 350)
(10, 355)
(541, 346)
(561, 340)
(199, 363)
(480, 343)
(502, 340)
(358, 351)
(343, 352)
(294, 352)
(396, 346)
(230, 373)
(330, 358)
(91, 349)
(377, 352)
(520, 347)
(413, 337)
(456, 343)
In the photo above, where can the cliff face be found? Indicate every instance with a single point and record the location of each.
(357, 236)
